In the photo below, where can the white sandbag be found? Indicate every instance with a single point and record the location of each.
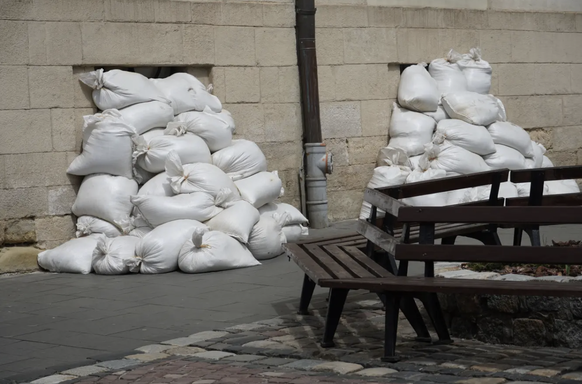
(260, 189)
(147, 116)
(505, 157)
(473, 108)
(141, 175)
(107, 146)
(140, 231)
(105, 197)
(243, 158)
(392, 156)
(197, 177)
(417, 90)
(187, 93)
(116, 89)
(267, 237)
(473, 138)
(111, 256)
(385, 176)
(556, 187)
(237, 220)
(157, 210)
(511, 135)
(74, 256)
(157, 252)
(447, 74)
(214, 128)
(295, 215)
(209, 251)
(537, 160)
(507, 190)
(410, 130)
(414, 160)
(502, 115)
(87, 225)
(477, 71)
(546, 162)
(294, 233)
(431, 200)
(453, 159)
(439, 115)
(152, 155)
(156, 132)
(459, 196)
(159, 185)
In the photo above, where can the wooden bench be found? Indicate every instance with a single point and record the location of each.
(330, 262)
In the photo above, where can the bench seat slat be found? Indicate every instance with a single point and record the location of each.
(377, 236)
(326, 261)
(348, 262)
(552, 173)
(566, 199)
(367, 262)
(306, 263)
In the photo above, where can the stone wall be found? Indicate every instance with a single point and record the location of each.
(247, 50)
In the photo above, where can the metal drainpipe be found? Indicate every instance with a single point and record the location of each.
(318, 162)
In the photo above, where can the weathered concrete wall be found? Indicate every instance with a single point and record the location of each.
(248, 51)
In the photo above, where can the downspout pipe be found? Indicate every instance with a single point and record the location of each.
(317, 162)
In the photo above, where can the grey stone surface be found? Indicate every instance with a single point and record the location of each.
(53, 379)
(118, 364)
(303, 364)
(213, 355)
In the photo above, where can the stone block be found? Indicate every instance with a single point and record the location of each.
(339, 149)
(279, 15)
(564, 158)
(341, 16)
(326, 83)
(362, 82)
(543, 6)
(341, 119)
(376, 118)
(14, 42)
(16, 9)
(275, 46)
(50, 87)
(364, 150)
(54, 229)
(290, 180)
(369, 45)
(57, 43)
(517, 79)
(351, 177)
(160, 44)
(427, 18)
(579, 23)
(198, 44)
(567, 138)
(242, 85)
(542, 136)
(65, 135)
(53, 379)
(24, 202)
(25, 131)
(206, 13)
(283, 122)
(173, 11)
(82, 94)
(528, 331)
(18, 259)
(130, 10)
(280, 85)
(470, 19)
(330, 45)
(384, 17)
(269, 84)
(524, 46)
(576, 74)
(418, 45)
(36, 169)
(572, 111)
(60, 200)
(250, 120)
(68, 10)
(218, 82)
(14, 87)
(118, 42)
(496, 46)
(248, 14)
(461, 39)
(282, 156)
(552, 79)
(2, 176)
(534, 111)
(234, 46)
(20, 232)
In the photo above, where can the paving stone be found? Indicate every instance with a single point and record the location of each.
(53, 379)
(453, 365)
(544, 372)
(184, 351)
(244, 358)
(118, 364)
(213, 355)
(488, 368)
(84, 371)
(146, 357)
(274, 361)
(522, 370)
(266, 344)
(207, 335)
(439, 378)
(573, 376)
(180, 341)
(337, 367)
(376, 372)
(482, 380)
(303, 364)
(244, 339)
(246, 327)
(153, 348)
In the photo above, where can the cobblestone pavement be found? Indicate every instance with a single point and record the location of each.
(285, 350)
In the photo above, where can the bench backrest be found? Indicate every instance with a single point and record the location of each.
(537, 177)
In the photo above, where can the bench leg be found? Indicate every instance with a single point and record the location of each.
(410, 310)
(449, 240)
(534, 236)
(337, 300)
(391, 327)
(306, 294)
(517, 235)
(433, 307)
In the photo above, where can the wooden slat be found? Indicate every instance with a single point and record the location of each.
(466, 286)
(368, 263)
(348, 263)
(306, 263)
(553, 173)
(382, 201)
(333, 240)
(377, 236)
(445, 184)
(326, 261)
(489, 253)
(492, 215)
(566, 199)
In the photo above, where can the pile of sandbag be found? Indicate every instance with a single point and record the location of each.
(166, 187)
(446, 124)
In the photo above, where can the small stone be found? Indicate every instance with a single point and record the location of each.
(118, 364)
(485, 368)
(421, 362)
(204, 382)
(303, 364)
(153, 348)
(84, 371)
(458, 274)
(453, 365)
(184, 351)
(265, 344)
(173, 376)
(276, 322)
(522, 370)
(53, 379)
(337, 367)
(246, 327)
(482, 380)
(272, 374)
(376, 372)
(544, 372)
(244, 358)
(180, 341)
(573, 376)
(513, 277)
(207, 335)
(558, 279)
(145, 357)
(213, 355)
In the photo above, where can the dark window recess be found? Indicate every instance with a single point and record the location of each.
(404, 66)
(151, 72)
